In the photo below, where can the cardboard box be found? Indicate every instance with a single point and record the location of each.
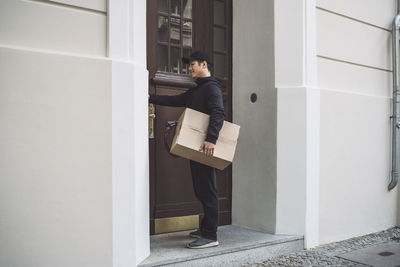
(191, 132)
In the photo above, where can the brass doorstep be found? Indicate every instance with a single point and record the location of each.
(174, 224)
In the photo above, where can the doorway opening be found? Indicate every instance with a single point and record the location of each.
(176, 28)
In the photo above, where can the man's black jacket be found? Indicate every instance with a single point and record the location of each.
(206, 97)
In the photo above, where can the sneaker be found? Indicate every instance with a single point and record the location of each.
(195, 234)
(202, 242)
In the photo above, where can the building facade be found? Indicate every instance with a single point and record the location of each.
(313, 156)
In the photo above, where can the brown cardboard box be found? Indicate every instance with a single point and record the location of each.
(191, 132)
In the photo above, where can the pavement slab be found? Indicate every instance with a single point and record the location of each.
(386, 254)
(355, 252)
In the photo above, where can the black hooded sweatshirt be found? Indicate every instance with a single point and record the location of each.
(206, 97)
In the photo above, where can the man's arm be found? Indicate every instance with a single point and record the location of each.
(216, 108)
(169, 100)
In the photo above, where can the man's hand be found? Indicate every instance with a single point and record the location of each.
(207, 148)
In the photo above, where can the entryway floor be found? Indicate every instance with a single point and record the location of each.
(238, 246)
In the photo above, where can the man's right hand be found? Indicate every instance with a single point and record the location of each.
(207, 148)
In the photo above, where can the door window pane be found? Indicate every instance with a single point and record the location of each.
(220, 65)
(174, 34)
(219, 12)
(187, 9)
(176, 8)
(175, 31)
(187, 34)
(219, 39)
(162, 29)
(186, 53)
(175, 60)
(162, 57)
(163, 6)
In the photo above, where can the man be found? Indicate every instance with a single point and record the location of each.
(206, 97)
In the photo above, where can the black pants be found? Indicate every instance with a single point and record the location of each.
(205, 188)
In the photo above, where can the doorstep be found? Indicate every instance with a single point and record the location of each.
(237, 246)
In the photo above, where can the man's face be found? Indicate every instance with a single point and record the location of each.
(197, 70)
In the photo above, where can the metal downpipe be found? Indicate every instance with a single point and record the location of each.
(395, 108)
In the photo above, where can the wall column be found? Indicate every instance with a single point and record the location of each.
(298, 120)
(130, 175)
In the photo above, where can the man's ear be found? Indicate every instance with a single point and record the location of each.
(204, 64)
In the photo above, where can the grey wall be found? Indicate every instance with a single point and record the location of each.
(254, 167)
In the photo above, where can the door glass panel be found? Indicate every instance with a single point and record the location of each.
(219, 12)
(220, 65)
(187, 9)
(162, 29)
(175, 60)
(163, 6)
(174, 34)
(176, 8)
(187, 34)
(175, 30)
(186, 53)
(219, 39)
(162, 57)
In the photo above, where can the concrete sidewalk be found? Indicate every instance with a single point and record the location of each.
(379, 249)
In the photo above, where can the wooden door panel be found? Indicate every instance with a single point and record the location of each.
(171, 189)
(171, 173)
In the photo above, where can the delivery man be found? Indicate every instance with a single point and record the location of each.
(206, 97)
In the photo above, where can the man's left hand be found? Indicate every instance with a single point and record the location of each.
(207, 148)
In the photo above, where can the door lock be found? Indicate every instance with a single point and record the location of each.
(152, 116)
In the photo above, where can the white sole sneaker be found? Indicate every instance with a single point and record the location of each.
(206, 245)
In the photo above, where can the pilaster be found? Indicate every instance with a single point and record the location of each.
(127, 51)
(298, 119)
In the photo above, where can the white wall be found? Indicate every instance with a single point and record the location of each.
(130, 150)
(254, 168)
(297, 120)
(55, 157)
(94, 5)
(74, 156)
(55, 138)
(53, 27)
(354, 75)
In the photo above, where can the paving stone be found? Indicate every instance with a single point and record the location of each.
(385, 254)
(328, 255)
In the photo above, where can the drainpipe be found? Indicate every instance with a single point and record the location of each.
(395, 116)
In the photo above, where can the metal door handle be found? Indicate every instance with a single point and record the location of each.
(152, 116)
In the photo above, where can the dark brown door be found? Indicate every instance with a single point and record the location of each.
(175, 28)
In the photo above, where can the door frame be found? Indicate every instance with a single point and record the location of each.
(130, 178)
